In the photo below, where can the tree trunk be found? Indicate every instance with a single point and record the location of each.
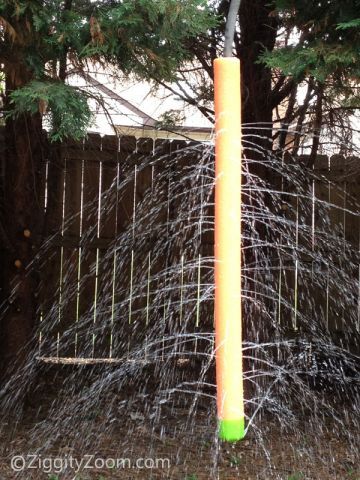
(258, 33)
(21, 220)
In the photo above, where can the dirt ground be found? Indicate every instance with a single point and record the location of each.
(192, 457)
(176, 446)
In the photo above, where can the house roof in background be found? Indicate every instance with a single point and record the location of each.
(135, 107)
(147, 119)
(176, 133)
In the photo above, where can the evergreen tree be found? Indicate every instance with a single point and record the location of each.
(324, 53)
(285, 45)
(39, 40)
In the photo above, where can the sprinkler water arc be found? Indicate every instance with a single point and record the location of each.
(228, 330)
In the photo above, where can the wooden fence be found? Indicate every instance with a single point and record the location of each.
(318, 270)
(128, 250)
(117, 262)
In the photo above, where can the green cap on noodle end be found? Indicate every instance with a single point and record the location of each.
(232, 430)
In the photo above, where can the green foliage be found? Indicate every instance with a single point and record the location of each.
(144, 37)
(151, 35)
(319, 61)
(68, 109)
(293, 61)
(328, 40)
(170, 118)
(355, 23)
(296, 476)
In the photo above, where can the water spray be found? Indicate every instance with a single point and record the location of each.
(228, 331)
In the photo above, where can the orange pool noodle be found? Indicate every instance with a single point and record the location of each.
(228, 331)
